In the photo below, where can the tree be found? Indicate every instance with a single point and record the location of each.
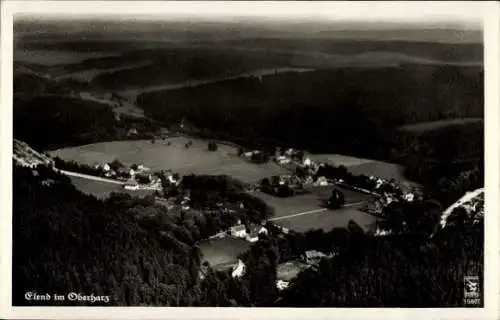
(240, 151)
(265, 183)
(116, 165)
(212, 146)
(336, 200)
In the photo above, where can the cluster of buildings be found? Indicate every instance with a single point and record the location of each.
(136, 176)
(250, 234)
(26, 156)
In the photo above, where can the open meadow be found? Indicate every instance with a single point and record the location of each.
(314, 199)
(367, 167)
(102, 190)
(223, 252)
(161, 156)
(328, 219)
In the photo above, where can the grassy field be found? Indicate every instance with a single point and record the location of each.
(306, 202)
(315, 200)
(328, 220)
(102, 190)
(223, 251)
(160, 156)
(368, 167)
(338, 159)
(289, 270)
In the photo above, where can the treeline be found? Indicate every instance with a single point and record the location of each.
(31, 84)
(178, 65)
(50, 121)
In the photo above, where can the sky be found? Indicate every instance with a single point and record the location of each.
(223, 30)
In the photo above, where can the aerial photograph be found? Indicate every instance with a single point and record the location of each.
(245, 162)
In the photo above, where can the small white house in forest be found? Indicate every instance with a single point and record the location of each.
(252, 237)
(238, 270)
(238, 231)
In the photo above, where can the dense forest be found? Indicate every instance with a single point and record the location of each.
(178, 65)
(320, 111)
(52, 121)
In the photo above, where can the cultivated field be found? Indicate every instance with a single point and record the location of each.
(102, 190)
(160, 156)
(327, 220)
(306, 202)
(304, 212)
(338, 159)
(220, 252)
(368, 167)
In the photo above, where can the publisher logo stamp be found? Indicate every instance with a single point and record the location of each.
(472, 291)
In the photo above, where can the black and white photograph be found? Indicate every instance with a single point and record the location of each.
(246, 160)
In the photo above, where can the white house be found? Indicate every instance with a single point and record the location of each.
(283, 160)
(106, 167)
(238, 231)
(131, 172)
(409, 197)
(131, 187)
(322, 181)
(281, 285)
(252, 237)
(132, 131)
(307, 162)
(238, 270)
(262, 230)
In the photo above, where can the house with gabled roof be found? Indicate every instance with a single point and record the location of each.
(238, 231)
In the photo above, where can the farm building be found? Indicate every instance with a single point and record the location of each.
(283, 160)
(307, 162)
(131, 187)
(258, 229)
(252, 237)
(321, 181)
(281, 285)
(238, 270)
(238, 231)
(132, 132)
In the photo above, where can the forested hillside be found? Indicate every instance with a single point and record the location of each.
(350, 111)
